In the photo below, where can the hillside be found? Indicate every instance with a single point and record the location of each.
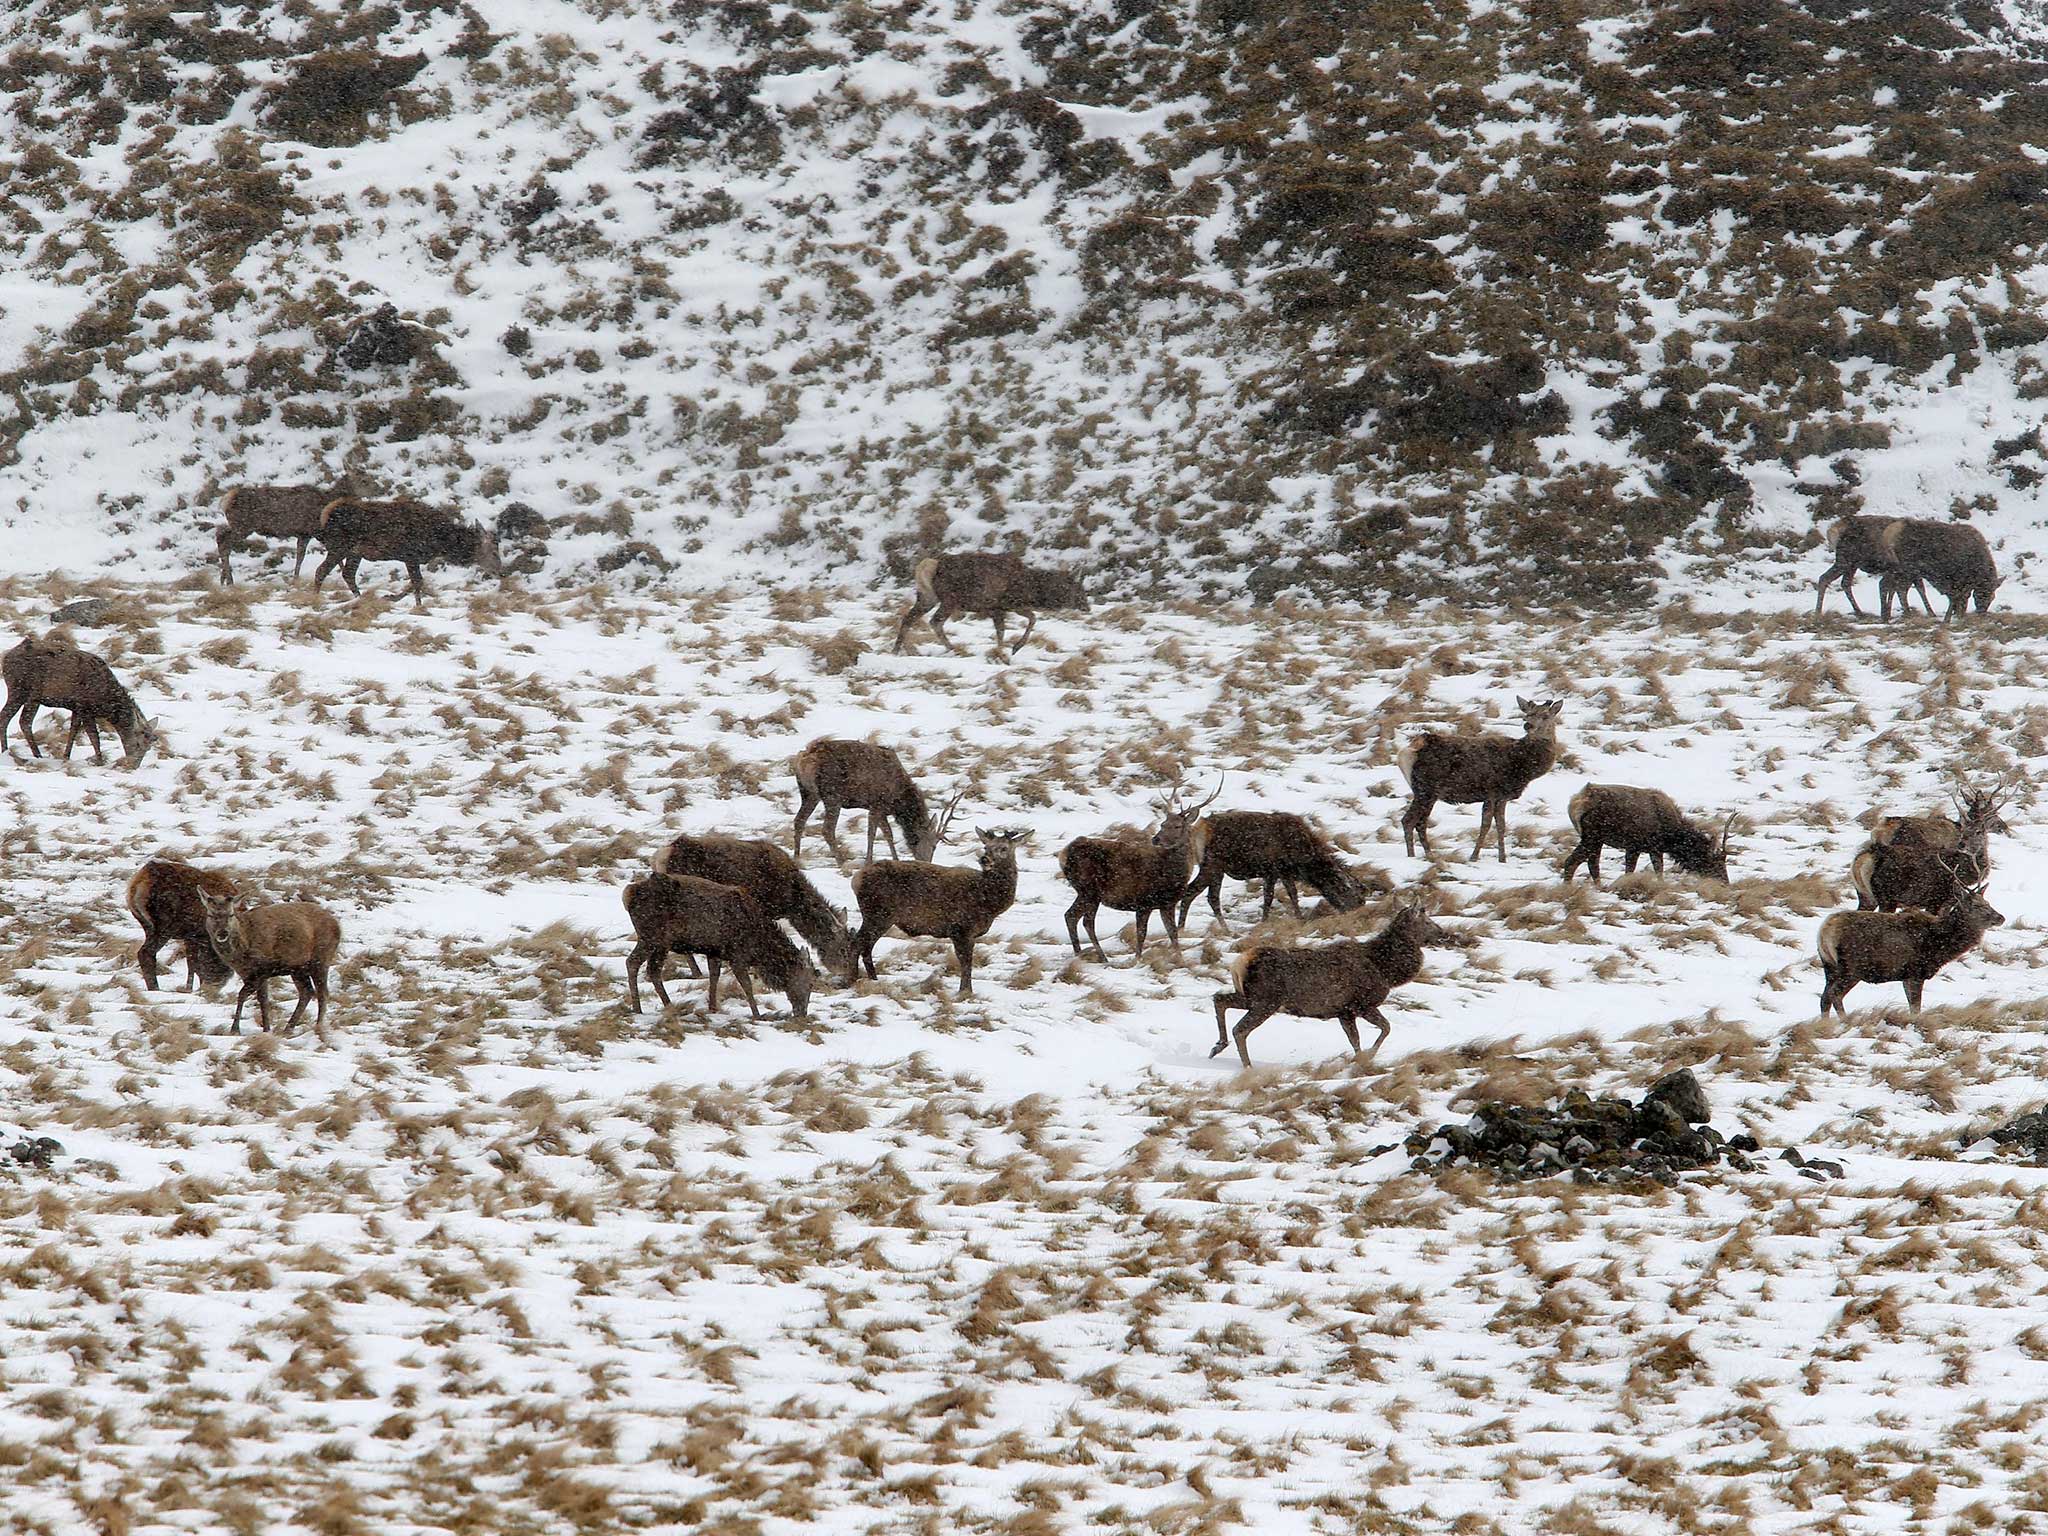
(1555, 300)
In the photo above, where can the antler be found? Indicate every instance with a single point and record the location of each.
(946, 819)
(1220, 777)
(1727, 827)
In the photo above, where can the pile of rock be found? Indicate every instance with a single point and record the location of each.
(2027, 1135)
(40, 1152)
(1593, 1140)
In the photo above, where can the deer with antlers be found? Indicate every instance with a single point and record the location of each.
(1486, 769)
(1922, 861)
(1906, 947)
(838, 774)
(1137, 877)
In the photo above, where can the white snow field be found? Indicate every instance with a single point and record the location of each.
(490, 1253)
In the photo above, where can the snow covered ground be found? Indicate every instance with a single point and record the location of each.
(489, 1252)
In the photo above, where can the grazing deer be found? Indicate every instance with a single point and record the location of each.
(1920, 861)
(50, 671)
(838, 773)
(1277, 847)
(270, 512)
(1130, 876)
(1954, 556)
(937, 901)
(1908, 947)
(1857, 543)
(1491, 770)
(1638, 822)
(353, 530)
(773, 879)
(165, 895)
(1345, 980)
(681, 914)
(992, 584)
(298, 939)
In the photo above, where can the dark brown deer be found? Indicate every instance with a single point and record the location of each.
(1954, 556)
(1908, 947)
(937, 901)
(837, 774)
(271, 512)
(993, 584)
(165, 895)
(1277, 847)
(1639, 822)
(1488, 770)
(685, 915)
(1857, 543)
(298, 939)
(51, 672)
(352, 531)
(773, 879)
(1131, 876)
(1921, 861)
(1346, 980)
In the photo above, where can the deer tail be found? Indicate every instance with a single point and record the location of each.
(1859, 875)
(137, 894)
(1576, 810)
(1828, 946)
(926, 575)
(1888, 539)
(1405, 761)
(1241, 966)
(1198, 843)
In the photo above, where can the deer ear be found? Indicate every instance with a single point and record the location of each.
(1523, 704)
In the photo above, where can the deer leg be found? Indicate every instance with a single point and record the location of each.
(240, 998)
(71, 739)
(1223, 1003)
(92, 734)
(302, 981)
(1266, 906)
(910, 616)
(1350, 1028)
(222, 543)
(657, 963)
(1629, 856)
(1849, 591)
(1001, 618)
(864, 948)
(1245, 1026)
(1573, 860)
(1172, 926)
(831, 829)
(419, 585)
(888, 834)
(963, 952)
(1415, 822)
(298, 556)
(690, 967)
(1144, 918)
(1914, 986)
(349, 568)
(1293, 894)
(634, 961)
(713, 962)
(1834, 987)
(746, 985)
(1500, 829)
(145, 958)
(1380, 1021)
(1485, 826)
(28, 727)
(1073, 925)
(1030, 623)
(326, 565)
(1657, 861)
(320, 991)
(805, 801)
(939, 617)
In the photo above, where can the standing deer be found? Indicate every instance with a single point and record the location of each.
(773, 879)
(1638, 822)
(1345, 980)
(684, 915)
(937, 901)
(838, 773)
(52, 672)
(1277, 847)
(270, 512)
(1140, 878)
(1954, 556)
(353, 530)
(1857, 543)
(1921, 861)
(1908, 947)
(164, 895)
(992, 584)
(1491, 770)
(286, 938)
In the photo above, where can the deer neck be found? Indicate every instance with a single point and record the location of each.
(1396, 957)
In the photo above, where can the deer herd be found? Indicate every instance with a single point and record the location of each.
(1919, 880)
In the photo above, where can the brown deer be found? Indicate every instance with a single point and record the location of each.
(1639, 822)
(353, 530)
(298, 939)
(164, 896)
(1954, 556)
(993, 584)
(270, 512)
(50, 671)
(773, 879)
(682, 914)
(1130, 876)
(1857, 543)
(1345, 980)
(838, 774)
(1908, 947)
(1491, 770)
(1277, 847)
(1920, 861)
(937, 901)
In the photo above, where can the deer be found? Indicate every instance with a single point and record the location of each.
(1907, 947)
(682, 914)
(838, 773)
(271, 512)
(1857, 543)
(1639, 822)
(773, 879)
(1920, 861)
(1277, 847)
(1954, 556)
(1130, 876)
(353, 530)
(1345, 980)
(1491, 770)
(51, 671)
(993, 584)
(937, 901)
(164, 897)
(298, 939)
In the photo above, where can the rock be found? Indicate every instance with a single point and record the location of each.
(87, 611)
(379, 339)
(1660, 1120)
(36, 1151)
(1681, 1090)
(2027, 1134)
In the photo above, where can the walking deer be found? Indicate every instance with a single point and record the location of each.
(1907, 947)
(682, 914)
(287, 938)
(937, 901)
(164, 896)
(1954, 556)
(1489, 770)
(993, 584)
(1136, 877)
(271, 512)
(1857, 543)
(1639, 822)
(1345, 980)
(1277, 847)
(50, 671)
(839, 774)
(353, 530)
(772, 878)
